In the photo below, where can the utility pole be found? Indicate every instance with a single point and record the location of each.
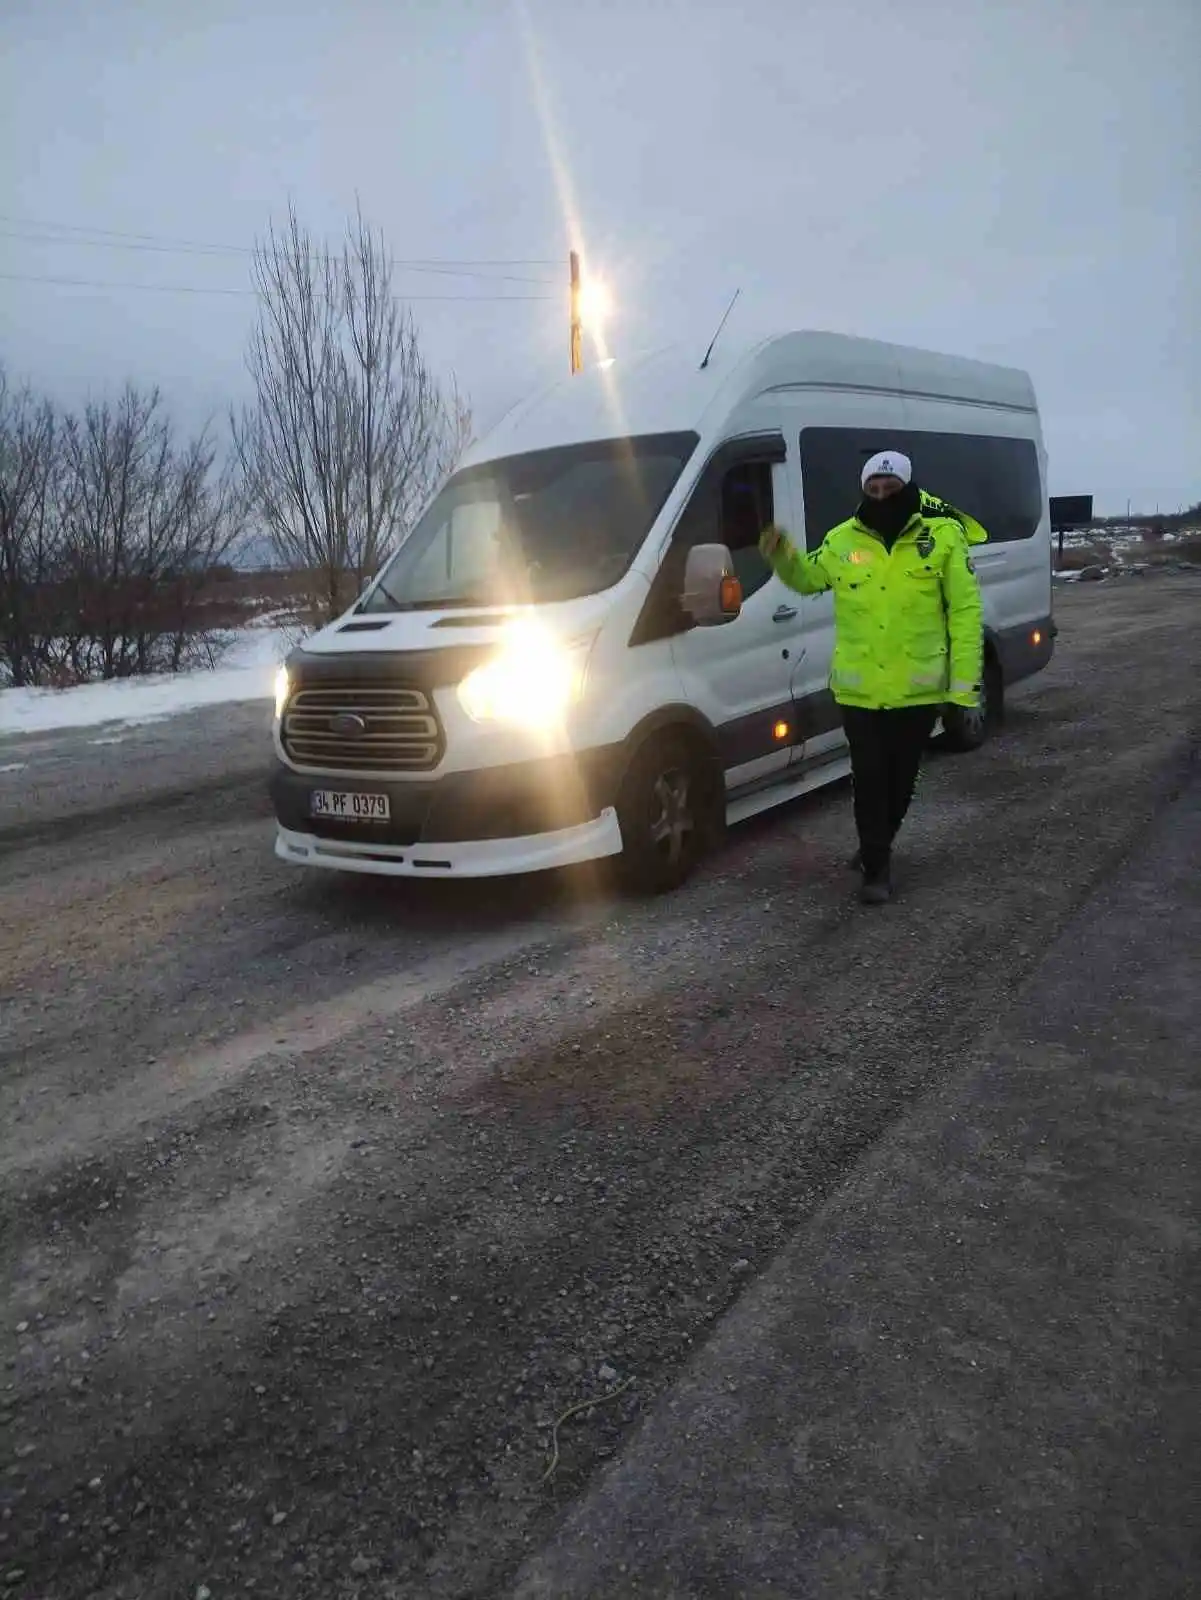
(577, 361)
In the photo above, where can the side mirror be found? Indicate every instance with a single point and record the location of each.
(712, 594)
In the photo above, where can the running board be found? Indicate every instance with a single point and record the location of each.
(789, 788)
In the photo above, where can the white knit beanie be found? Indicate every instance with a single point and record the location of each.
(888, 464)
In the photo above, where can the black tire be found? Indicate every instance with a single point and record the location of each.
(671, 809)
(967, 730)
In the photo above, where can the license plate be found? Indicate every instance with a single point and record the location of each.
(350, 807)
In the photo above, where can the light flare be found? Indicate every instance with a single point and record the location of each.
(532, 681)
(573, 228)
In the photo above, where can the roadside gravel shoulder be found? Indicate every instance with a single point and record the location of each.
(56, 786)
(976, 1370)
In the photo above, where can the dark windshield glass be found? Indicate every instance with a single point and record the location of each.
(550, 525)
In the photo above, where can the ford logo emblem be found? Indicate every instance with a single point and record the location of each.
(348, 725)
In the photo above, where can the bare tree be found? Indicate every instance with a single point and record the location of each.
(112, 527)
(351, 431)
(108, 462)
(146, 518)
(30, 546)
(203, 529)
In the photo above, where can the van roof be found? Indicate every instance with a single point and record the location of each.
(666, 391)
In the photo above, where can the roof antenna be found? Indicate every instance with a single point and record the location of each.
(720, 326)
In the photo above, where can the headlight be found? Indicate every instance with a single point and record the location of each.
(530, 683)
(283, 688)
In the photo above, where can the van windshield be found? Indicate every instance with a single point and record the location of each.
(549, 525)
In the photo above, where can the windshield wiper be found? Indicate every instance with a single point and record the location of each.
(444, 603)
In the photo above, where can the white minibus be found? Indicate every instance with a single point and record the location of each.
(578, 652)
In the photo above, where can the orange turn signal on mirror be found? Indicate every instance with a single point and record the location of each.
(731, 595)
(1036, 637)
(780, 732)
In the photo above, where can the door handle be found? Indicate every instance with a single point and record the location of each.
(783, 613)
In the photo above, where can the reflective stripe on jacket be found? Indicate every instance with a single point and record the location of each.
(908, 623)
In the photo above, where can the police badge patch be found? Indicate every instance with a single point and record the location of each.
(925, 545)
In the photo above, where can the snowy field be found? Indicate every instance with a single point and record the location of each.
(1119, 552)
(247, 672)
(1122, 542)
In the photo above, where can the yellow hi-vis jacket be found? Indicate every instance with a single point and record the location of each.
(908, 623)
(974, 532)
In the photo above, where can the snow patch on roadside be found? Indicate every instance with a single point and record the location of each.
(247, 672)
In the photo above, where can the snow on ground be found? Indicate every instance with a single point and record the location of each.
(1120, 540)
(247, 672)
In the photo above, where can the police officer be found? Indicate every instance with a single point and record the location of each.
(908, 639)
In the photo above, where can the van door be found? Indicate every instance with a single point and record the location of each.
(1014, 567)
(820, 735)
(739, 675)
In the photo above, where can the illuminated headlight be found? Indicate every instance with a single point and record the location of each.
(283, 688)
(531, 682)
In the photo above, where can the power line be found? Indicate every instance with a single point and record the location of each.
(438, 269)
(239, 249)
(189, 288)
(198, 246)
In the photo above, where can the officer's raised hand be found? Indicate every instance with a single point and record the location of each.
(773, 541)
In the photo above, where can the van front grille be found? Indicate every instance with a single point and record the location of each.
(362, 727)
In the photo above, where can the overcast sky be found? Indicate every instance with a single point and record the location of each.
(1018, 181)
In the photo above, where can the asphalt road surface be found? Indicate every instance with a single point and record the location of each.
(322, 1200)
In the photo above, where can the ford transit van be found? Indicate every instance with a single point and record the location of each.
(578, 652)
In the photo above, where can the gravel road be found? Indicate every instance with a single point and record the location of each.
(322, 1200)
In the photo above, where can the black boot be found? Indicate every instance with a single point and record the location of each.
(876, 888)
(855, 864)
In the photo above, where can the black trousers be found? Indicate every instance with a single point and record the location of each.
(886, 753)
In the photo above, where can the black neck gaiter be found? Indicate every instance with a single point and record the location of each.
(888, 517)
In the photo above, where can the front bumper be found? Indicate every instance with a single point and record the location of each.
(495, 820)
(495, 858)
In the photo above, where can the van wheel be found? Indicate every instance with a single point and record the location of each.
(967, 730)
(669, 812)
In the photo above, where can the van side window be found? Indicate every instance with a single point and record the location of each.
(746, 509)
(730, 505)
(995, 480)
